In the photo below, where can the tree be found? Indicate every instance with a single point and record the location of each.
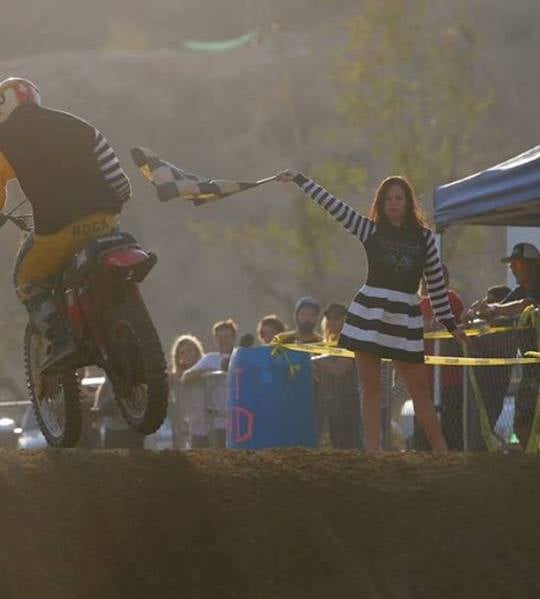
(406, 82)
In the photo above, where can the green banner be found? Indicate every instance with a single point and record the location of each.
(220, 45)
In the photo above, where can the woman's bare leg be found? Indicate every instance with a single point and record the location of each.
(415, 377)
(369, 372)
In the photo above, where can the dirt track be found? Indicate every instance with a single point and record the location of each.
(268, 525)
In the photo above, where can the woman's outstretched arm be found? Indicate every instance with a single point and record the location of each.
(360, 226)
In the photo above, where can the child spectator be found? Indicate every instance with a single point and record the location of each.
(268, 327)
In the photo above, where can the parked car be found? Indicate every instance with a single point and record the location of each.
(162, 438)
(30, 437)
(12, 409)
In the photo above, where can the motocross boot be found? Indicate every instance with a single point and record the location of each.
(53, 328)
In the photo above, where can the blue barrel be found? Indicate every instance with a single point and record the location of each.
(268, 406)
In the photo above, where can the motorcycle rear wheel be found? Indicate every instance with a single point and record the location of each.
(140, 378)
(55, 398)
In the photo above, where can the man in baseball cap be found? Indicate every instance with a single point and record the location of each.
(523, 251)
(524, 262)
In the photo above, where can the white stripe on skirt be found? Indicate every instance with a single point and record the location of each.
(395, 318)
(390, 294)
(383, 340)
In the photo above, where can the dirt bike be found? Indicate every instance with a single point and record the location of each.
(99, 295)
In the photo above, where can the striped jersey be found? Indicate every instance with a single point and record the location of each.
(65, 166)
(398, 257)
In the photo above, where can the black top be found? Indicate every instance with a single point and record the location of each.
(64, 165)
(396, 258)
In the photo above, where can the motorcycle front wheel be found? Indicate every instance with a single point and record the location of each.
(55, 397)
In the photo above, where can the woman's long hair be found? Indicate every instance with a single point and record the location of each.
(184, 340)
(414, 217)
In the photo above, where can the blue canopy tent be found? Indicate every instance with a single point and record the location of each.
(507, 194)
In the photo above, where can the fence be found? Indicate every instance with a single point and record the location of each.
(480, 407)
(484, 402)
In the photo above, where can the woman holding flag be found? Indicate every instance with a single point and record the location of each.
(384, 319)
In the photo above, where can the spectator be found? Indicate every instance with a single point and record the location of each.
(306, 314)
(268, 327)
(524, 262)
(337, 389)
(117, 432)
(333, 321)
(494, 294)
(527, 395)
(187, 350)
(224, 333)
(451, 376)
(246, 340)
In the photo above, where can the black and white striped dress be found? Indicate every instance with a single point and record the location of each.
(384, 318)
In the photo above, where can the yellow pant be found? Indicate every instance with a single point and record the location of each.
(41, 257)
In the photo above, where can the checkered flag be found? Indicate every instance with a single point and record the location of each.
(172, 182)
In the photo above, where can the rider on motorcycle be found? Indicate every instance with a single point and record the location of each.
(76, 186)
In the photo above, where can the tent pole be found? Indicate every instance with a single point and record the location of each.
(437, 374)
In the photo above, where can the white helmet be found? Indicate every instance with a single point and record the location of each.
(14, 92)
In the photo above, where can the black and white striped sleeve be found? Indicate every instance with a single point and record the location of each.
(110, 168)
(436, 286)
(360, 226)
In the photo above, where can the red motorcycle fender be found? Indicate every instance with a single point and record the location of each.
(124, 258)
(132, 262)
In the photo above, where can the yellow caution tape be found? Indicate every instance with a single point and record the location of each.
(455, 361)
(332, 350)
(473, 332)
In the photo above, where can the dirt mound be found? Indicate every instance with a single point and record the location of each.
(267, 525)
